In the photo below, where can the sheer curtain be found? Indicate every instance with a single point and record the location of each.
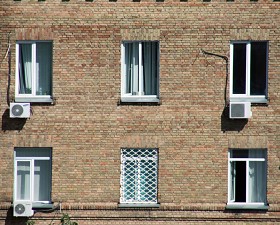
(132, 67)
(23, 180)
(43, 68)
(257, 177)
(25, 69)
(232, 180)
(42, 180)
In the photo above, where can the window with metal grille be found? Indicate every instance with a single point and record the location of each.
(139, 175)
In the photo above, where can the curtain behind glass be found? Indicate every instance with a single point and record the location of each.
(257, 177)
(42, 180)
(25, 68)
(149, 54)
(23, 180)
(43, 68)
(130, 181)
(232, 180)
(132, 67)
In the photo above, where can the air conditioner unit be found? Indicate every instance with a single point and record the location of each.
(240, 110)
(23, 209)
(19, 110)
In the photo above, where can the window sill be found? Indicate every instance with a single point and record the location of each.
(138, 99)
(256, 100)
(138, 205)
(34, 99)
(247, 206)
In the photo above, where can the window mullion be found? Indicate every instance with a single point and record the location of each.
(247, 181)
(34, 69)
(32, 173)
(140, 69)
(248, 69)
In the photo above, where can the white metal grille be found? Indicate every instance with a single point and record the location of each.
(139, 171)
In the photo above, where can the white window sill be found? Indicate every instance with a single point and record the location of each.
(47, 99)
(256, 206)
(138, 205)
(252, 99)
(140, 99)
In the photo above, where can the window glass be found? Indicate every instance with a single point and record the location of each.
(23, 180)
(258, 68)
(25, 69)
(239, 69)
(44, 68)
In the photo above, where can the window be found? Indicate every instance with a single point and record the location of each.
(139, 170)
(140, 71)
(247, 177)
(32, 175)
(34, 71)
(249, 66)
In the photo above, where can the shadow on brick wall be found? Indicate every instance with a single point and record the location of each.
(11, 220)
(228, 124)
(11, 123)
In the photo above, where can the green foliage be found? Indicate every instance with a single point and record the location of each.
(65, 220)
(30, 222)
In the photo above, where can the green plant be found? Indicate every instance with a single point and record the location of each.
(30, 222)
(65, 220)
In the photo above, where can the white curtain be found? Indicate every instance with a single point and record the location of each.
(232, 180)
(257, 177)
(42, 180)
(132, 67)
(25, 68)
(23, 180)
(43, 68)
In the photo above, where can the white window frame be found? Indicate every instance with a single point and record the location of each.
(30, 97)
(129, 203)
(129, 97)
(233, 204)
(31, 160)
(247, 97)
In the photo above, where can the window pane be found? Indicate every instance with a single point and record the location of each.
(257, 182)
(129, 182)
(239, 69)
(240, 181)
(43, 68)
(232, 180)
(42, 180)
(132, 67)
(150, 67)
(33, 152)
(23, 180)
(258, 68)
(240, 153)
(25, 68)
(148, 180)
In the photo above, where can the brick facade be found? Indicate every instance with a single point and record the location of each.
(87, 125)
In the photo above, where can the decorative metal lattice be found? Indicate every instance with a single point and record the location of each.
(139, 171)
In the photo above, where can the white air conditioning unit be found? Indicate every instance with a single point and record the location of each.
(240, 110)
(19, 110)
(23, 209)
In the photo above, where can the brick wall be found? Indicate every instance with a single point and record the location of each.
(86, 126)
